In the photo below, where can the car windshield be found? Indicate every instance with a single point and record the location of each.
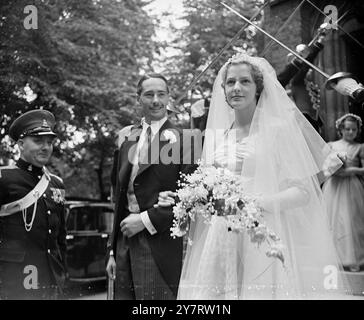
(90, 218)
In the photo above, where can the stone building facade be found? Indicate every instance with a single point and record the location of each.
(340, 53)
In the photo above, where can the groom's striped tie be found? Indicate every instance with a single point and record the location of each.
(144, 154)
(133, 206)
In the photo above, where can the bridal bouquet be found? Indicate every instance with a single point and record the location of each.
(213, 191)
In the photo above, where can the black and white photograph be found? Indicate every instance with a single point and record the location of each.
(196, 152)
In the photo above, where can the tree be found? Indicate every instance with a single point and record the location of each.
(82, 64)
(209, 28)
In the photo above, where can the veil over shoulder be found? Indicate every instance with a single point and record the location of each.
(288, 152)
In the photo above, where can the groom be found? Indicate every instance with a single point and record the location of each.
(144, 259)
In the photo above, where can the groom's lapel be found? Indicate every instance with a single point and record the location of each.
(127, 153)
(156, 146)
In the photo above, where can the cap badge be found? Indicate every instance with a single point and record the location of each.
(45, 123)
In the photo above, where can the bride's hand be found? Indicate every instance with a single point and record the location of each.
(265, 203)
(165, 199)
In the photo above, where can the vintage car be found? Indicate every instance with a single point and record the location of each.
(89, 224)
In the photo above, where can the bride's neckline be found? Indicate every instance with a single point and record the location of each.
(241, 135)
(239, 138)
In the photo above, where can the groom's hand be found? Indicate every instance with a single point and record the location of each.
(131, 225)
(166, 199)
(111, 268)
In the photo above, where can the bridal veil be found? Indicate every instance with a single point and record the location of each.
(288, 152)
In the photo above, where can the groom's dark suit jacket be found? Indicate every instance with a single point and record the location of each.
(151, 179)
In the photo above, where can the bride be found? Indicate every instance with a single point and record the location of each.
(257, 132)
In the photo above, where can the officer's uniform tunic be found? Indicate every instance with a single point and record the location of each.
(42, 248)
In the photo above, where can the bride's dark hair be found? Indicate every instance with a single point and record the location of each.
(257, 75)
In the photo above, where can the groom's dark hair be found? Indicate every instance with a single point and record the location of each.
(150, 76)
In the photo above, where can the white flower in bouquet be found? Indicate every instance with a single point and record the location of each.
(195, 179)
(210, 171)
(213, 191)
(201, 192)
(210, 180)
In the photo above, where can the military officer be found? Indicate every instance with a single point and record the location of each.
(32, 215)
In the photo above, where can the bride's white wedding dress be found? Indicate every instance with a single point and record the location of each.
(225, 265)
(282, 159)
(218, 269)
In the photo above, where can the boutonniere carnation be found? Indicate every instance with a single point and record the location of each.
(169, 136)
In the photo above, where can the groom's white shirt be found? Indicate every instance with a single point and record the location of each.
(155, 127)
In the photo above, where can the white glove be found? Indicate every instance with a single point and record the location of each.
(347, 86)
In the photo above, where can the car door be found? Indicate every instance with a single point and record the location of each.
(88, 228)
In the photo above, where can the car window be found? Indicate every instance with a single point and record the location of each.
(90, 218)
(105, 219)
